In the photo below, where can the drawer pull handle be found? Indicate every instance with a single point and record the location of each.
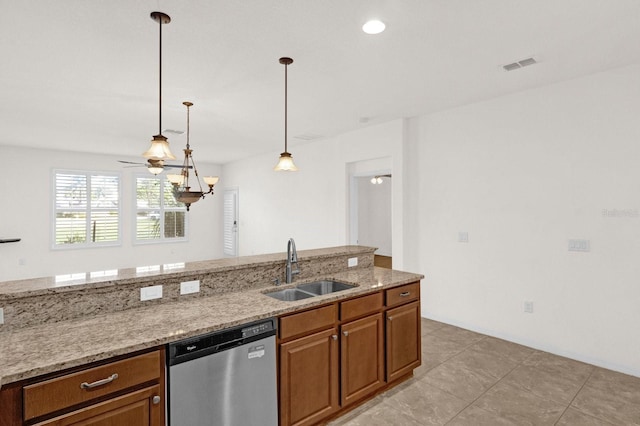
(346, 333)
(405, 294)
(334, 336)
(85, 385)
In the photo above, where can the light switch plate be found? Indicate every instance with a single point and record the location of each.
(353, 261)
(188, 287)
(149, 293)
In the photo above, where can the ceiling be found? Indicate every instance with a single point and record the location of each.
(82, 75)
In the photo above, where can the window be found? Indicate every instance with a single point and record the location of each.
(87, 209)
(159, 217)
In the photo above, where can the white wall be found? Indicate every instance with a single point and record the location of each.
(25, 194)
(310, 205)
(522, 175)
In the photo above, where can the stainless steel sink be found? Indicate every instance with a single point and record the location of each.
(289, 294)
(304, 291)
(325, 287)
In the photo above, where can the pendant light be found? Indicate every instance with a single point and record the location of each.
(181, 187)
(286, 160)
(159, 149)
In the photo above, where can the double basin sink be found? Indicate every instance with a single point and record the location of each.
(312, 289)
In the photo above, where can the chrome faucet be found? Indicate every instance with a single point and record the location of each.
(292, 257)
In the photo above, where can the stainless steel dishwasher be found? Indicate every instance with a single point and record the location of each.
(224, 378)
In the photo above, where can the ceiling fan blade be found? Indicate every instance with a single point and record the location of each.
(131, 162)
(176, 166)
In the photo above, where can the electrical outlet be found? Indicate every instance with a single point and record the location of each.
(353, 261)
(149, 293)
(463, 237)
(189, 287)
(580, 245)
(1, 316)
(528, 306)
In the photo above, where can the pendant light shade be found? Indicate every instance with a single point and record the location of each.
(159, 149)
(285, 164)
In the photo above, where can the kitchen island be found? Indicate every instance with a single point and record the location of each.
(52, 326)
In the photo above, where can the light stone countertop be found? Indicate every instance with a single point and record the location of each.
(46, 348)
(109, 278)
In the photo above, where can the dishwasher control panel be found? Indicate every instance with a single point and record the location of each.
(218, 341)
(258, 329)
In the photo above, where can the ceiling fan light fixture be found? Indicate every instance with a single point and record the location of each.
(159, 149)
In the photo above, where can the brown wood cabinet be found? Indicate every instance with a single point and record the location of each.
(362, 358)
(402, 330)
(309, 378)
(126, 391)
(379, 346)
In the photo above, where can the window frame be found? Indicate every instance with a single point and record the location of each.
(134, 227)
(88, 209)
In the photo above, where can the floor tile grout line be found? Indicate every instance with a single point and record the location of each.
(486, 390)
(491, 387)
(575, 396)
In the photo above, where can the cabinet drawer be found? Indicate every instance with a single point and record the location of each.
(76, 388)
(307, 321)
(360, 306)
(403, 294)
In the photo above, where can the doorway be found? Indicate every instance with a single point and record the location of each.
(370, 208)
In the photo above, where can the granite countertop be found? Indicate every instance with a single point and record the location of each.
(41, 349)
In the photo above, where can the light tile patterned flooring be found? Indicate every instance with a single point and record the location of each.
(468, 378)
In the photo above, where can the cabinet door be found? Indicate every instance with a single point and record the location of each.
(140, 408)
(309, 378)
(403, 340)
(362, 358)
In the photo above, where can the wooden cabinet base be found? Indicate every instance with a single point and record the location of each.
(135, 408)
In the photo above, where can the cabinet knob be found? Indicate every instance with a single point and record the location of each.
(390, 318)
(334, 337)
(346, 333)
(155, 400)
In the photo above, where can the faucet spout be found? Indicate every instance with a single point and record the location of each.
(292, 258)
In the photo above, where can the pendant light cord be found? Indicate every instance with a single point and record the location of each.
(160, 83)
(285, 107)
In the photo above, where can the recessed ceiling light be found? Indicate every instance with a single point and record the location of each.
(373, 27)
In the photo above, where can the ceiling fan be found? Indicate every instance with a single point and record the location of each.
(154, 166)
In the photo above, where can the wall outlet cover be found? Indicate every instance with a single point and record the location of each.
(463, 237)
(188, 287)
(353, 261)
(149, 293)
(580, 245)
(528, 306)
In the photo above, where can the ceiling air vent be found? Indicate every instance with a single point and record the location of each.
(307, 137)
(519, 64)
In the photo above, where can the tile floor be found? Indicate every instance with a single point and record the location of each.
(468, 378)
